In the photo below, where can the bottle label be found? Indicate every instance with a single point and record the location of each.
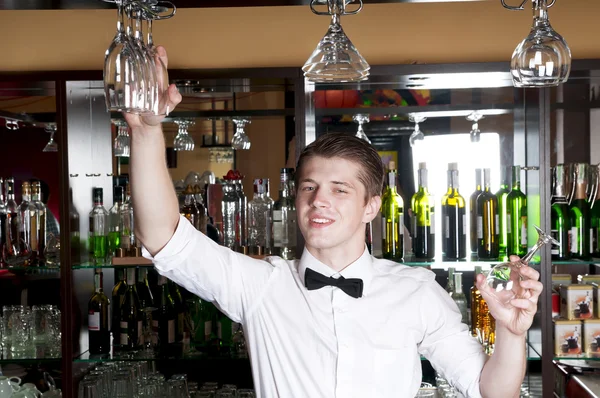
(524, 230)
(508, 224)
(383, 228)
(432, 222)
(497, 225)
(401, 224)
(171, 331)
(555, 249)
(574, 240)
(447, 227)
(93, 321)
(207, 329)
(464, 222)
(479, 227)
(123, 335)
(277, 228)
(592, 240)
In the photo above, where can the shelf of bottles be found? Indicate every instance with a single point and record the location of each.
(28, 231)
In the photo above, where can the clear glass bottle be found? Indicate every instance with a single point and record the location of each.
(242, 216)
(128, 240)
(26, 220)
(392, 219)
(98, 238)
(284, 217)
(459, 297)
(450, 281)
(423, 208)
(3, 224)
(15, 251)
(40, 215)
(229, 205)
(114, 218)
(260, 218)
(192, 210)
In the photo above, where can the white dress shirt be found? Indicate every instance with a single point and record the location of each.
(323, 343)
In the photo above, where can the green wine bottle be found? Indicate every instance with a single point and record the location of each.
(130, 320)
(98, 238)
(114, 218)
(454, 219)
(473, 211)
(579, 210)
(392, 214)
(561, 224)
(488, 247)
(423, 205)
(502, 195)
(516, 217)
(595, 211)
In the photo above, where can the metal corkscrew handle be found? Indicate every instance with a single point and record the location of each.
(520, 6)
(314, 3)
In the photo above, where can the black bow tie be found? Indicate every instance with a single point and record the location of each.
(352, 287)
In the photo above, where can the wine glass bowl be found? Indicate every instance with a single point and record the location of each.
(361, 119)
(505, 279)
(183, 141)
(417, 134)
(240, 140)
(51, 146)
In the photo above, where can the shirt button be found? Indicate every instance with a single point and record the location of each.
(341, 310)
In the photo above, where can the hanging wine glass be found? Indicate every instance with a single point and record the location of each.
(335, 59)
(505, 279)
(543, 59)
(162, 74)
(240, 140)
(361, 119)
(51, 146)
(147, 60)
(123, 75)
(475, 134)
(183, 141)
(417, 134)
(122, 142)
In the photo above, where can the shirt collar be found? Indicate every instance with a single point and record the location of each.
(362, 268)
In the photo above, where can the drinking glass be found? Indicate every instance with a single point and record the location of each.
(51, 146)
(543, 59)
(246, 393)
(20, 330)
(240, 140)
(335, 59)
(122, 386)
(177, 388)
(183, 141)
(123, 73)
(202, 394)
(417, 134)
(222, 393)
(361, 119)
(89, 389)
(505, 278)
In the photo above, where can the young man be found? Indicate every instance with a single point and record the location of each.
(337, 322)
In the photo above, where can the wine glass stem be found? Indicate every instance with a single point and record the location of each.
(527, 257)
(540, 12)
(120, 17)
(149, 38)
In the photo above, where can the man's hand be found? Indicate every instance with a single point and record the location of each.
(517, 315)
(168, 96)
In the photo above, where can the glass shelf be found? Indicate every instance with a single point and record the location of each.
(575, 261)
(37, 353)
(116, 263)
(144, 356)
(30, 273)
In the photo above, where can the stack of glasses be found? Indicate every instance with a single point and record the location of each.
(134, 75)
(30, 332)
(133, 380)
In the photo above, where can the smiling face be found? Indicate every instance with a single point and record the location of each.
(331, 207)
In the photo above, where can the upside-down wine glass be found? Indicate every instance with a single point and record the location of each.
(505, 278)
(121, 145)
(361, 119)
(240, 140)
(183, 141)
(475, 134)
(151, 94)
(543, 59)
(335, 59)
(417, 134)
(162, 74)
(51, 146)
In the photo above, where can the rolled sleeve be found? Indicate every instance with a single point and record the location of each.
(447, 343)
(233, 281)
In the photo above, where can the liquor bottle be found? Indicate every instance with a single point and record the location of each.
(241, 222)
(473, 211)
(502, 195)
(130, 319)
(392, 219)
(98, 240)
(27, 220)
(179, 309)
(454, 219)
(98, 318)
(41, 212)
(516, 217)
(487, 221)
(192, 210)
(484, 328)
(16, 251)
(75, 237)
(229, 208)
(459, 297)
(284, 217)
(165, 317)
(561, 224)
(474, 293)
(143, 289)
(4, 228)
(579, 214)
(118, 298)
(260, 218)
(114, 219)
(595, 211)
(128, 240)
(450, 280)
(423, 209)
